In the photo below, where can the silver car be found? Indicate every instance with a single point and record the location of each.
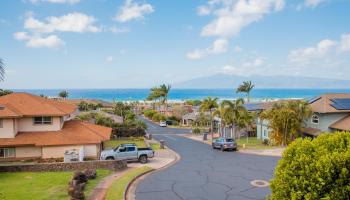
(224, 144)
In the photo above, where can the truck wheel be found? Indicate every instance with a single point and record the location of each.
(143, 159)
(110, 158)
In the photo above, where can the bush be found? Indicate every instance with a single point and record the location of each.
(175, 123)
(266, 142)
(314, 169)
(196, 131)
(118, 132)
(156, 117)
(149, 113)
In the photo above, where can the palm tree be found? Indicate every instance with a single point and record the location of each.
(232, 114)
(286, 120)
(154, 95)
(2, 70)
(245, 87)
(64, 94)
(208, 105)
(164, 92)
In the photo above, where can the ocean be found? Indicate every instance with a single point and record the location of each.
(184, 94)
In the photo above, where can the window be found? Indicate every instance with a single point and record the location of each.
(7, 152)
(315, 119)
(1, 123)
(130, 149)
(42, 120)
(265, 133)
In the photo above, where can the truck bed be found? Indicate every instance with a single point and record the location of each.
(145, 149)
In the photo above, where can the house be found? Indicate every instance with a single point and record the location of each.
(331, 112)
(37, 127)
(262, 125)
(189, 118)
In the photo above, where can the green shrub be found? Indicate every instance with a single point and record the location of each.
(149, 113)
(156, 117)
(314, 169)
(266, 141)
(196, 130)
(175, 123)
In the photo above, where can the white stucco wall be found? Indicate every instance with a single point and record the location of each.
(27, 125)
(28, 152)
(58, 151)
(8, 128)
(261, 127)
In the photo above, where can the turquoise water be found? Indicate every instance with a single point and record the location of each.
(183, 94)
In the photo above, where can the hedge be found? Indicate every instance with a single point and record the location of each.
(314, 169)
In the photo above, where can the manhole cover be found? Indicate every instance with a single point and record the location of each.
(259, 183)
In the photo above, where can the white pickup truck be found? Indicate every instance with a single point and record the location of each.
(128, 152)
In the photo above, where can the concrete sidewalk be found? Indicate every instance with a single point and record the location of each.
(278, 151)
(161, 158)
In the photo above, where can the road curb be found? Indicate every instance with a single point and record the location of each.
(129, 193)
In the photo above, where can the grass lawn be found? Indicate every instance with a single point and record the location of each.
(155, 146)
(116, 191)
(253, 143)
(41, 185)
(114, 143)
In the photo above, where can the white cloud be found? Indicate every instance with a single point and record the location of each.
(309, 53)
(56, 1)
(109, 59)
(237, 49)
(219, 46)
(248, 68)
(345, 43)
(117, 30)
(21, 36)
(72, 22)
(133, 11)
(40, 32)
(203, 10)
(313, 3)
(255, 63)
(51, 41)
(233, 15)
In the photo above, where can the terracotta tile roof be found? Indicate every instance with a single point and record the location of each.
(343, 124)
(323, 103)
(74, 132)
(7, 111)
(24, 104)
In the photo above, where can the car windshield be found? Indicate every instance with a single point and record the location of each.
(229, 140)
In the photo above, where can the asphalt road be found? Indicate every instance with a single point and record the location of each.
(204, 173)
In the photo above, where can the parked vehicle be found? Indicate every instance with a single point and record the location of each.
(224, 144)
(128, 152)
(162, 124)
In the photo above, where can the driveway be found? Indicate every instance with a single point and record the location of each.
(204, 173)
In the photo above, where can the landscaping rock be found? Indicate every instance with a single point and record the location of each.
(80, 177)
(90, 173)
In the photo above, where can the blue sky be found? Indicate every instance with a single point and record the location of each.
(141, 43)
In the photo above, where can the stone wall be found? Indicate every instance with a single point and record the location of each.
(52, 167)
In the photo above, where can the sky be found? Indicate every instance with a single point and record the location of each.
(142, 43)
